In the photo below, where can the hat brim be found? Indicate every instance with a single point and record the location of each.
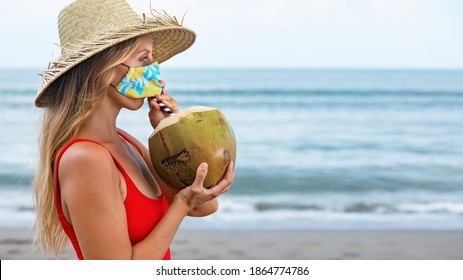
(169, 39)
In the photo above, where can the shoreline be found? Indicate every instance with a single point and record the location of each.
(402, 244)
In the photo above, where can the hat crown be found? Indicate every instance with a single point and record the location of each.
(87, 27)
(85, 20)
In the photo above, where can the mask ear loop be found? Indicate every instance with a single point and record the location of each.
(122, 77)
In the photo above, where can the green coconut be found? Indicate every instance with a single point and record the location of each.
(181, 142)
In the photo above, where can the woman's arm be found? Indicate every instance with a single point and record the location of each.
(93, 204)
(184, 202)
(92, 201)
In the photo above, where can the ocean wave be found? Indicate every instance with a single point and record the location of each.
(406, 209)
(236, 214)
(432, 207)
(286, 100)
(365, 208)
(13, 180)
(315, 180)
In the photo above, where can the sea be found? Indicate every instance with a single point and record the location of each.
(316, 148)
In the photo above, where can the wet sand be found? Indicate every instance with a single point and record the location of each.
(16, 244)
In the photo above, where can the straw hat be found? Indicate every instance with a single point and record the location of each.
(87, 27)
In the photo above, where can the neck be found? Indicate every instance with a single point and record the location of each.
(102, 124)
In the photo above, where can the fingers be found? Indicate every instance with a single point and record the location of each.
(196, 194)
(163, 97)
(230, 175)
(224, 185)
(153, 104)
(218, 189)
(201, 173)
(163, 85)
(230, 171)
(167, 100)
(156, 114)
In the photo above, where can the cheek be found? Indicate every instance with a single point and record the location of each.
(118, 75)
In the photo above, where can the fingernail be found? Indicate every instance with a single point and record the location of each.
(204, 166)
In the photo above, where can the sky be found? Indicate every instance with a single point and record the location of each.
(400, 34)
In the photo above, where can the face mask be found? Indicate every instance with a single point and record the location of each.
(141, 82)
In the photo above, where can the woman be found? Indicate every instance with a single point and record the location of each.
(95, 184)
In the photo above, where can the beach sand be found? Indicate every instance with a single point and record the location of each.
(16, 244)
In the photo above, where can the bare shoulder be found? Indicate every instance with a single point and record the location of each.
(87, 164)
(91, 199)
(84, 155)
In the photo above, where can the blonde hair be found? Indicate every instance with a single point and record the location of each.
(71, 101)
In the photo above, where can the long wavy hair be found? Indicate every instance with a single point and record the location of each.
(70, 101)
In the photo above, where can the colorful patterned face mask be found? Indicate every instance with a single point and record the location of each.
(141, 82)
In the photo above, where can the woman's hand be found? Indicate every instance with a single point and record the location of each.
(196, 194)
(156, 114)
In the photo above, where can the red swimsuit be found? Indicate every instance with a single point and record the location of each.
(143, 213)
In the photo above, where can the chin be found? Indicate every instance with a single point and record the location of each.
(134, 103)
